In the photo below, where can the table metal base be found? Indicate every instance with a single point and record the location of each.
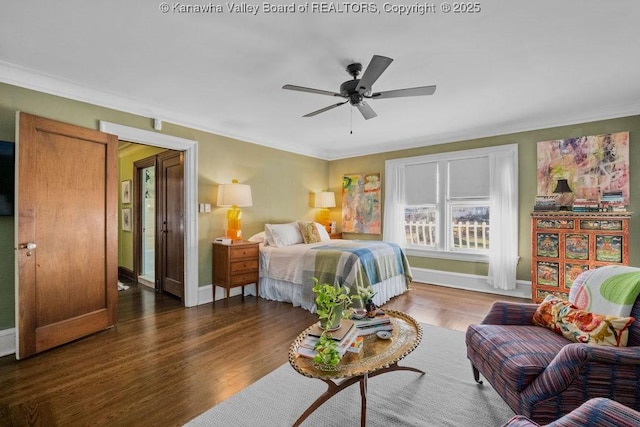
(336, 387)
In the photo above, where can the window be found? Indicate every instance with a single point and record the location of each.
(443, 205)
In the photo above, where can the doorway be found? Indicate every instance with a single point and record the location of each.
(189, 150)
(158, 234)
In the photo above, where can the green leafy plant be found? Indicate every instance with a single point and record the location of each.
(331, 301)
(326, 351)
(366, 293)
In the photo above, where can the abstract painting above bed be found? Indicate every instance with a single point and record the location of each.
(286, 272)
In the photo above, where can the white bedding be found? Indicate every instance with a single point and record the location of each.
(284, 271)
(285, 263)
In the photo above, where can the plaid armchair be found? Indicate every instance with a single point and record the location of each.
(598, 411)
(542, 375)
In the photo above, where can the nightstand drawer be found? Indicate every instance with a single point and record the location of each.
(244, 278)
(250, 264)
(244, 252)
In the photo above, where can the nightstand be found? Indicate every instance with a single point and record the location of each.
(235, 265)
(335, 235)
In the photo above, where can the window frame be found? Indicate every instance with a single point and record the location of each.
(444, 245)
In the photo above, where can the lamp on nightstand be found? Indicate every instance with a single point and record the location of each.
(324, 201)
(234, 196)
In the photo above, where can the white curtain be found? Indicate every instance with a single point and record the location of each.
(394, 202)
(503, 252)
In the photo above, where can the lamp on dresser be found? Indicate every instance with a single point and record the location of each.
(234, 196)
(563, 201)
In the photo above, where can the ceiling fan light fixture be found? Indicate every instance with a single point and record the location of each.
(355, 90)
(355, 99)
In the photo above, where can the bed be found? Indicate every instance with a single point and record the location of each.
(289, 260)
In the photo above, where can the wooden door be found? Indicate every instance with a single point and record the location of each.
(66, 238)
(170, 223)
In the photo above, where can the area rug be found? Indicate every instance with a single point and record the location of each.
(446, 395)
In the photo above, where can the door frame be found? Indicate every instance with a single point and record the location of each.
(190, 149)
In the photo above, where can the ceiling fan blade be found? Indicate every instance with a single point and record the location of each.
(322, 110)
(399, 93)
(311, 90)
(376, 67)
(366, 111)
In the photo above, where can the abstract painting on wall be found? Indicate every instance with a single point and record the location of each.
(591, 164)
(361, 211)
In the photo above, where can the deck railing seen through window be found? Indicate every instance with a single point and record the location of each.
(472, 235)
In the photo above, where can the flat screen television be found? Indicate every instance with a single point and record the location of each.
(7, 177)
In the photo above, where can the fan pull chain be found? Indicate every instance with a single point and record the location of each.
(351, 131)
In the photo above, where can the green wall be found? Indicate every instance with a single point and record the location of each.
(7, 269)
(281, 182)
(526, 183)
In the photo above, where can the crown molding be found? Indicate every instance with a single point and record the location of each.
(35, 80)
(31, 79)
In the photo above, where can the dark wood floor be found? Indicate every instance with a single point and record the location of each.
(163, 364)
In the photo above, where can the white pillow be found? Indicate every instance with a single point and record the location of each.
(280, 235)
(324, 235)
(258, 237)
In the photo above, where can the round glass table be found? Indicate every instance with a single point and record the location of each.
(377, 356)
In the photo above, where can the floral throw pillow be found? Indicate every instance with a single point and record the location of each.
(309, 231)
(582, 326)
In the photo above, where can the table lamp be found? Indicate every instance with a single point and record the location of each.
(234, 196)
(324, 201)
(563, 201)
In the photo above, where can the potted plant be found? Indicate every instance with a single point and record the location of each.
(331, 302)
(366, 295)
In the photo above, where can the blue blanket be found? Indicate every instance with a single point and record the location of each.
(356, 263)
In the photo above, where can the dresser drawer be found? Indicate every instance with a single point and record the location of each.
(244, 252)
(249, 264)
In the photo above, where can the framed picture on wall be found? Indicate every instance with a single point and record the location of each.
(591, 165)
(126, 191)
(126, 219)
(361, 207)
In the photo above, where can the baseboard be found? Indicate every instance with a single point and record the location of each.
(127, 274)
(205, 293)
(7, 342)
(470, 282)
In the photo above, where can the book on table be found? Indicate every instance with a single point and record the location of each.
(356, 346)
(306, 347)
(371, 325)
(339, 334)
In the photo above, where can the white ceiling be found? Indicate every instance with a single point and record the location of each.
(516, 65)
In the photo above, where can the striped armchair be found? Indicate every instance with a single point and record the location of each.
(598, 411)
(542, 375)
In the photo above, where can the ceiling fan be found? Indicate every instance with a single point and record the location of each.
(357, 90)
